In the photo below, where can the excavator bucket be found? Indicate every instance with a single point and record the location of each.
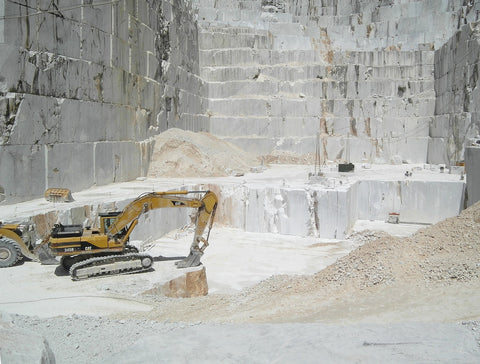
(45, 256)
(193, 260)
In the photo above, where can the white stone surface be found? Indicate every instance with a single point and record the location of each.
(22, 346)
(97, 74)
(282, 200)
(396, 78)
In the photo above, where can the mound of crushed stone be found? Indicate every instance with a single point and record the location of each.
(180, 153)
(447, 252)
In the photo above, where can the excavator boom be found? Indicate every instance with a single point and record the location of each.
(154, 200)
(151, 201)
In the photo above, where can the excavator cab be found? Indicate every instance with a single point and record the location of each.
(107, 219)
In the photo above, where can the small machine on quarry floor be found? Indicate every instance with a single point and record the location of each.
(17, 241)
(89, 252)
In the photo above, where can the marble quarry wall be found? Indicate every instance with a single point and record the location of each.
(331, 212)
(382, 24)
(457, 86)
(363, 74)
(83, 87)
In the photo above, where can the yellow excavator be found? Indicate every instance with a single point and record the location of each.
(88, 252)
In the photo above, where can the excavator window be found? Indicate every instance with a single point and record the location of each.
(107, 223)
(108, 218)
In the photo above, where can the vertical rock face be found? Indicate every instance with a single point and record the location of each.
(326, 209)
(330, 212)
(363, 74)
(472, 164)
(457, 86)
(83, 87)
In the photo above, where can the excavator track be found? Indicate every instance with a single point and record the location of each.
(111, 265)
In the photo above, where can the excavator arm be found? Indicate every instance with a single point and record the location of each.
(205, 216)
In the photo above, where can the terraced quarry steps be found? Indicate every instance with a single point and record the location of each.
(268, 75)
(265, 99)
(359, 73)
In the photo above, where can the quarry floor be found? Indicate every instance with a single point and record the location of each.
(253, 313)
(411, 296)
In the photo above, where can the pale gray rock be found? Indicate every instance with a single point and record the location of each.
(472, 164)
(21, 345)
(266, 75)
(400, 343)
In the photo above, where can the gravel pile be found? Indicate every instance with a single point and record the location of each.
(448, 252)
(181, 153)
